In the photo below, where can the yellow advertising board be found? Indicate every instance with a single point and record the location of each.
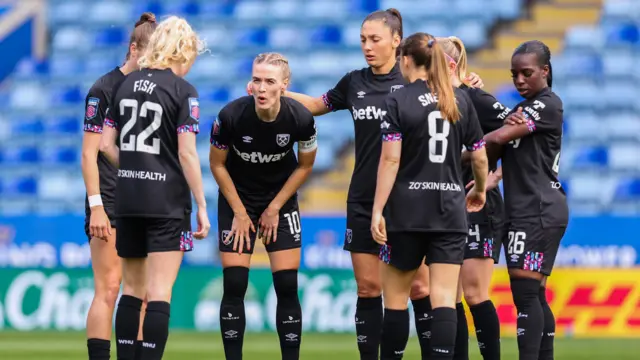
(586, 302)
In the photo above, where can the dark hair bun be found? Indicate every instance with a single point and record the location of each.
(147, 17)
(395, 12)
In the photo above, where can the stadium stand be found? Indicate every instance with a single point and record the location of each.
(40, 125)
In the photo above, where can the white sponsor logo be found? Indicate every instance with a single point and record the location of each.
(430, 185)
(257, 157)
(368, 113)
(142, 175)
(361, 94)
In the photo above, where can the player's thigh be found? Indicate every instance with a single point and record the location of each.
(167, 241)
(445, 254)
(285, 259)
(358, 238)
(531, 250)
(396, 286)
(107, 267)
(225, 221)
(366, 270)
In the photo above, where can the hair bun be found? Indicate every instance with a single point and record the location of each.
(147, 17)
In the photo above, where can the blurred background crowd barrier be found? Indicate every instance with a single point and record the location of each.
(52, 51)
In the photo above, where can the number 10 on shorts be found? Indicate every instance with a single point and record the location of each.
(294, 222)
(516, 242)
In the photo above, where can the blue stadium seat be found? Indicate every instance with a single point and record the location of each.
(591, 157)
(331, 35)
(17, 186)
(110, 36)
(622, 34)
(628, 189)
(26, 125)
(19, 155)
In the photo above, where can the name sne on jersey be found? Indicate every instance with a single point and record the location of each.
(257, 157)
(142, 175)
(430, 185)
(144, 85)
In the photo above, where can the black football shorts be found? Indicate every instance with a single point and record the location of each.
(358, 238)
(137, 236)
(406, 250)
(289, 227)
(529, 246)
(108, 208)
(484, 239)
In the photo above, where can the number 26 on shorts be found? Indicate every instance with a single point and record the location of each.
(516, 242)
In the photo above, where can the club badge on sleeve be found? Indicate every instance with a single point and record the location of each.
(216, 127)
(194, 109)
(92, 108)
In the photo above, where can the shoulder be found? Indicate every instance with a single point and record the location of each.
(106, 83)
(185, 87)
(236, 107)
(462, 97)
(297, 109)
(549, 99)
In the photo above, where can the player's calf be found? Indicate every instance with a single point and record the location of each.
(288, 313)
(232, 316)
(530, 322)
(549, 329)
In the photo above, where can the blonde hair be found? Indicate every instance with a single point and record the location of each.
(454, 47)
(276, 59)
(173, 42)
(426, 51)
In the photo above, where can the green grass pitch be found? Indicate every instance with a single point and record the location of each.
(201, 346)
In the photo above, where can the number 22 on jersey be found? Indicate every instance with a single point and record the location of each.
(137, 143)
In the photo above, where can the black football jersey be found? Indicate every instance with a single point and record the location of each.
(530, 165)
(363, 93)
(491, 114)
(149, 109)
(261, 154)
(96, 104)
(428, 194)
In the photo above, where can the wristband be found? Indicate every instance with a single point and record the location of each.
(95, 200)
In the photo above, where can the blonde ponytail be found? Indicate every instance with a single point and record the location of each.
(454, 47)
(440, 82)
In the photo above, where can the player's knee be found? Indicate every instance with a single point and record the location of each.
(134, 285)
(419, 290)
(235, 283)
(285, 283)
(369, 286)
(525, 292)
(474, 293)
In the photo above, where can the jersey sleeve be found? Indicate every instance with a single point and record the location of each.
(221, 131)
(336, 98)
(390, 125)
(473, 136)
(491, 112)
(95, 110)
(189, 113)
(308, 140)
(544, 115)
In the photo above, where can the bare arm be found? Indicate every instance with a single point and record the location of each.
(480, 166)
(89, 163)
(297, 178)
(190, 163)
(387, 172)
(314, 104)
(108, 145)
(217, 160)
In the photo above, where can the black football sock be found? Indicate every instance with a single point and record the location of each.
(138, 355)
(232, 316)
(422, 317)
(485, 319)
(461, 351)
(155, 330)
(443, 338)
(288, 313)
(395, 334)
(99, 349)
(369, 326)
(127, 325)
(549, 330)
(530, 322)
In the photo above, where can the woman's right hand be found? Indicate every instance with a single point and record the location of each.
(241, 228)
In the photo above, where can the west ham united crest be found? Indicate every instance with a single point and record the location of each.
(282, 139)
(396, 87)
(223, 237)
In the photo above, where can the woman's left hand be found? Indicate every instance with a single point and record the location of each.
(378, 228)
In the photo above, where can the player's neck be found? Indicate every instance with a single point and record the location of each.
(128, 67)
(384, 69)
(269, 115)
(418, 74)
(455, 81)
